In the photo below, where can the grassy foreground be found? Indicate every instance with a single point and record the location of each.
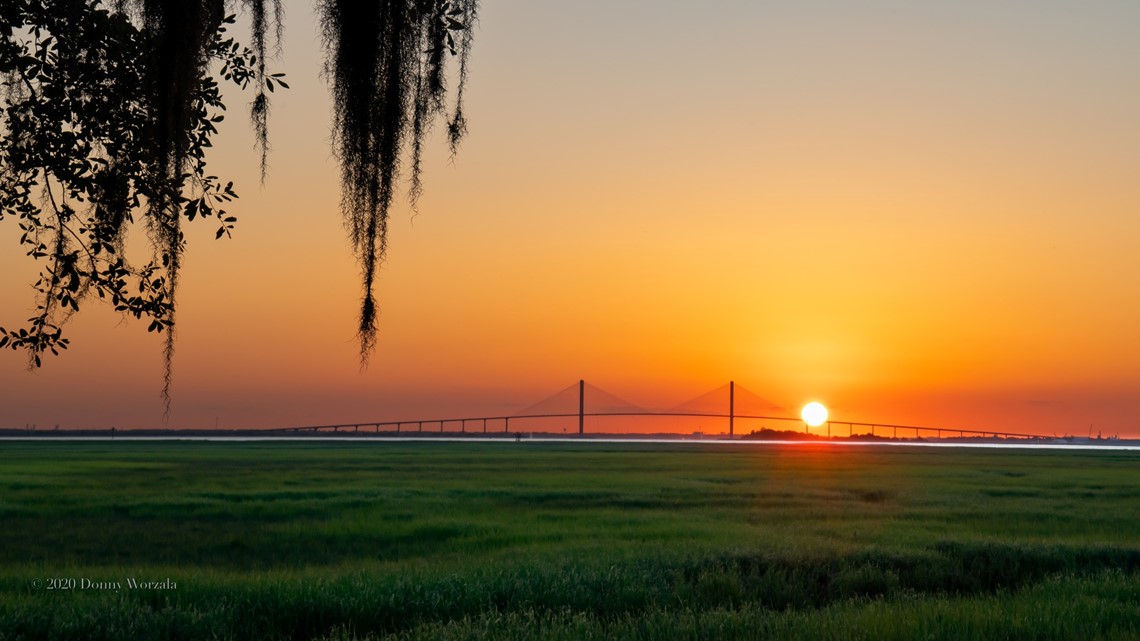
(347, 541)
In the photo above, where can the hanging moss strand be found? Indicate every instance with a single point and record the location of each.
(385, 63)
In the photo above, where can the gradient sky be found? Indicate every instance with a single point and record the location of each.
(917, 212)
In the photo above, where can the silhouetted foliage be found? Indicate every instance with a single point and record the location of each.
(108, 112)
(386, 65)
(105, 119)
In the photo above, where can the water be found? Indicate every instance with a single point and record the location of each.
(508, 440)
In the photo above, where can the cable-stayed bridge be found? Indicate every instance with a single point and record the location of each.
(581, 400)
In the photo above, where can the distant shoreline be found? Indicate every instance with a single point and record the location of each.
(766, 437)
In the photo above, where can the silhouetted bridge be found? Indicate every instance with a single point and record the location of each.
(502, 424)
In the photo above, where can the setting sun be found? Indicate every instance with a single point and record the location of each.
(814, 414)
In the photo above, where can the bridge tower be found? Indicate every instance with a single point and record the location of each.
(581, 406)
(731, 405)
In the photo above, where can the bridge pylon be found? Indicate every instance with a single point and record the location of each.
(581, 406)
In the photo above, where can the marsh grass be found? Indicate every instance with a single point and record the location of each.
(489, 541)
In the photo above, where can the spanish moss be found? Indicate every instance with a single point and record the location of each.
(178, 31)
(108, 111)
(259, 109)
(386, 65)
(109, 107)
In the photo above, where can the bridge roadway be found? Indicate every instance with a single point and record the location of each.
(851, 425)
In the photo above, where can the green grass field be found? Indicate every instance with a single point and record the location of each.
(537, 540)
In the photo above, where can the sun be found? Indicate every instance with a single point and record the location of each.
(814, 414)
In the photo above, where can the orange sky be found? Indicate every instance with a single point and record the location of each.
(921, 214)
